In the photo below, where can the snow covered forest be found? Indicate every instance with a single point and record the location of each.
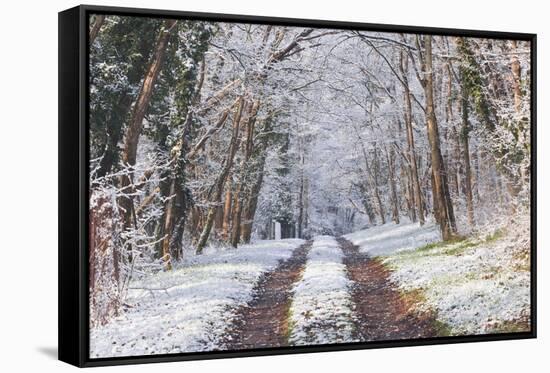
(227, 159)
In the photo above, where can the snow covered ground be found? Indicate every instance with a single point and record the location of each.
(390, 238)
(188, 309)
(476, 287)
(321, 309)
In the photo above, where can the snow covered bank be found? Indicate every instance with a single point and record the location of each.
(391, 238)
(476, 287)
(321, 310)
(189, 308)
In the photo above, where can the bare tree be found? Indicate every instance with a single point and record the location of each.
(444, 209)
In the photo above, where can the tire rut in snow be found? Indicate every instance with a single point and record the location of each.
(263, 322)
(381, 311)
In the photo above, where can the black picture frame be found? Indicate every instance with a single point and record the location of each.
(73, 185)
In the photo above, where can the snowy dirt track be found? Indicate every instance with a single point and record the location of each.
(321, 311)
(326, 290)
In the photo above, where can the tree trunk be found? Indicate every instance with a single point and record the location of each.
(451, 160)
(474, 157)
(300, 206)
(220, 182)
(465, 134)
(218, 220)
(243, 182)
(144, 97)
(135, 124)
(376, 168)
(169, 223)
(393, 186)
(99, 19)
(457, 172)
(306, 207)
(365, 200)
(301, 191)
(516, 78)
(114, 128)
(252, 200)
(177, 207)
(372, 174)
(440, 187)
(227, 213)
(523, 120)
(237, 214)
(407, 188)
(410, 140)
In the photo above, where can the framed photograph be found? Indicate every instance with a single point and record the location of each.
(233, 186)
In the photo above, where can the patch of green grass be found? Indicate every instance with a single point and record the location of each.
(420, 251)
(456, 246)
(496, 235)
(440, 244)
(430, 246)
(512, 326)
(442, 328)
(461, 247)
(413, 298)
(289, 323)
(452, 247)
(459, 244)
(523, 267)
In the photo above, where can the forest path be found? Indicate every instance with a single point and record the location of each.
(263, 322)
(382, 313)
